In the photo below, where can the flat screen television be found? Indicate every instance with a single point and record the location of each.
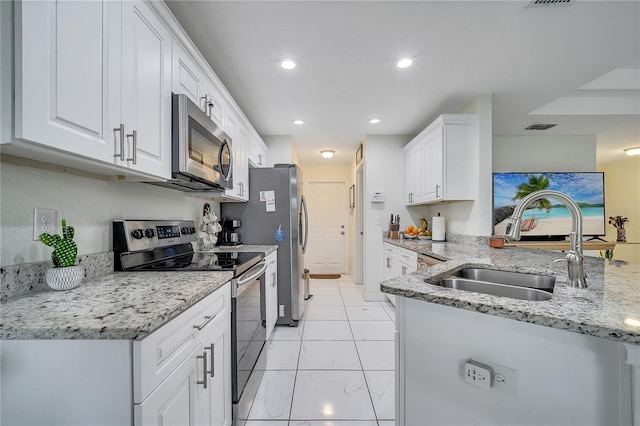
(549, 219)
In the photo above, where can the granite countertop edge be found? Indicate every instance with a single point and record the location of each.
(117, 306)
(568, 310)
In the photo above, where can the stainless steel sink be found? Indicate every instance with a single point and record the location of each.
(505, 290)
(519, 279)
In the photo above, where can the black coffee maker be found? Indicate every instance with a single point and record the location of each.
(229, 235)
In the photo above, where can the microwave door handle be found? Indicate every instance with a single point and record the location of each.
(222, 147)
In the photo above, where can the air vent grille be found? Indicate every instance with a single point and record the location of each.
(549, 2)
(540, 126)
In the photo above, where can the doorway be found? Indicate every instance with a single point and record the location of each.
(359, 225)
(328, 227)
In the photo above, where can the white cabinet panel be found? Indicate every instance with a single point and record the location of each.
(441, 163)
(257, 152)
(176, 400)
(146, 89)
(238, 133)
(217, 399)
(271, 292)
(62, 57)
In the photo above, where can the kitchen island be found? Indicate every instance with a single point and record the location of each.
(570, 360)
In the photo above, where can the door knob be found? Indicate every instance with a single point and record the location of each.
(342, 226)
(342, 233)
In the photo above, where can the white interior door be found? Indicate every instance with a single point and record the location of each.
(327, 249)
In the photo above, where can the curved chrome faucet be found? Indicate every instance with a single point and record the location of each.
(575, 259)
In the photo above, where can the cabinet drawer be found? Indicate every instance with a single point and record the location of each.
(391, 250)
(409, 257)
(158, 354)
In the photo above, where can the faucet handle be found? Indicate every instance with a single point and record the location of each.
(559, 260)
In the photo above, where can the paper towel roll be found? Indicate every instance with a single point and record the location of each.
(438, 228)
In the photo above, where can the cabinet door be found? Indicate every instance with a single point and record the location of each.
(257, 152)
(271, 290)
(412, 173)
(178, 399)
(146, 89)
(236, 131)
(217, 346)
(432, 165)
(62, 58)
(186, 79)
(213, 104)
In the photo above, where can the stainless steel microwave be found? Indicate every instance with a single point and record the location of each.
(201, 154)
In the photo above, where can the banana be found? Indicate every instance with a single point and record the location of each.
(423, 223)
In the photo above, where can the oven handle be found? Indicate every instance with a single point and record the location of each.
(242, 280)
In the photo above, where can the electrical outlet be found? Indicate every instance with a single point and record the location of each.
(505, 380)
(44, 220)
(478, 374)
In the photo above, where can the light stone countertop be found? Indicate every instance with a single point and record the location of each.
(600, 310)
(121, 305)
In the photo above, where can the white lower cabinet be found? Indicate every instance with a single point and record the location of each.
(398, 261)
(178, 375)
(271, 291)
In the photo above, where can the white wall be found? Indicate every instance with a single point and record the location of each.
(383, 172)
(88, 204)
(281, 150)
(553, 153)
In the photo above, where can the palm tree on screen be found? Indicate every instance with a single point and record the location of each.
(534, 183)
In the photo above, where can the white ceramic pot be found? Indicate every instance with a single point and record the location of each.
(65, 278)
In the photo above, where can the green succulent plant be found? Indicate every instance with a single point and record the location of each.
(65, 249)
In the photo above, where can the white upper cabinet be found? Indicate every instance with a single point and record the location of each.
(62, 56)
(188, 79)
(257, 152)
(238, 133)
(93, 79)
(441, 163)
(146, 90)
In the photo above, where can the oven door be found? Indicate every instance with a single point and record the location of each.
(201, 148)
(248, 330)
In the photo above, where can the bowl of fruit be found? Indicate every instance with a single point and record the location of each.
(411, 232)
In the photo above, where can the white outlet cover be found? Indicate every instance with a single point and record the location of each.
(44, 220)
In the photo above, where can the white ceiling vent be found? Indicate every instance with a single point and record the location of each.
(540, 126)
(535, 3)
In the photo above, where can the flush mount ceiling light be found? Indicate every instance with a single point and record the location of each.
(298, 122)
(374, 121)
(288, 63)
(403, 63)
(635, 150)
(327, 153)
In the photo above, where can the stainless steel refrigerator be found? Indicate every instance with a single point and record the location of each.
(276, 202)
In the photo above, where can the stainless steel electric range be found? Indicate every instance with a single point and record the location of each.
(161, 245)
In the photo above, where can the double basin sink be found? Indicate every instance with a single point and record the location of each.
(515, 285)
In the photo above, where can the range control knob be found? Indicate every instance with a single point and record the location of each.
(192, 230)
(149, 233)
(137, 234)
(185, 231)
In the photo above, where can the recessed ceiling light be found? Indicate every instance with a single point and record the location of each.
(298, 122)
(374, 121)
(327, 153)
(404, 62)
(633, 150)
(288, 63)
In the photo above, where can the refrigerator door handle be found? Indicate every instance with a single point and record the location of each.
(306, 224)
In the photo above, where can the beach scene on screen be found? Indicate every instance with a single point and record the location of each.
(549, 216)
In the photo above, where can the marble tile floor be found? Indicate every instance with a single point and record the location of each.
(335, 369)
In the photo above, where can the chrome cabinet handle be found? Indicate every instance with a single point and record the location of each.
(437, 187)
(260, 159)
(210, 106)
(273, 281)
(210, 348)
(388, 266)
(207, 320)
(121, 130)
(134, 157)
(404, 270)
(204, 369)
